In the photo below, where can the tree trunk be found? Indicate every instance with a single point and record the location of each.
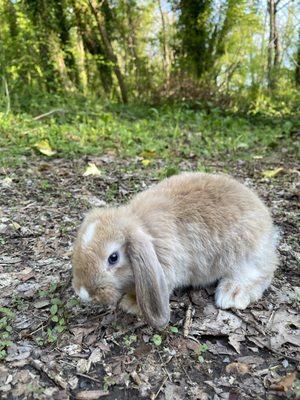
(108, 48)
(132, 41)
(80, 62)
(297, 70)
(166, 59)
(58, 60)
(271, 9)
(63, 30)
(93, 45)
(277, 45)
(274, 48)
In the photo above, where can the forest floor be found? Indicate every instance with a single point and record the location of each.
(53, 347)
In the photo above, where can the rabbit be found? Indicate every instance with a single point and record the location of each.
(192, 229)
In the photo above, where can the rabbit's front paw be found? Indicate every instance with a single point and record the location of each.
(128, 304)
(231, 294)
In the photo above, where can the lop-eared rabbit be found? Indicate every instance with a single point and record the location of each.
(192, 229)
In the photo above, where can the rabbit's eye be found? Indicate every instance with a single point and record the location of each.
(113, 258)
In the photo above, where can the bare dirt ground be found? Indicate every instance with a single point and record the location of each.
(58, 348)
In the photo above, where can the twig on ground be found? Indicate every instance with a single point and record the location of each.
(136, 378)
(164, 364)
(89, 377)
(39, 327)
(184, 370)
(270, 319)
(154, 395)
(56, 379)
(47, 114)
(25, 235)
(91, 394)
(188, 320)
(98, 316)
(124, 331)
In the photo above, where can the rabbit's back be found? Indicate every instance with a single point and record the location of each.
(204, 222)
(212, 201)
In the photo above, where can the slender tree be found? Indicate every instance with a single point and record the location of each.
(274, 48)
(95, 8)
(166, 57)
(92, 44)
(297, 69)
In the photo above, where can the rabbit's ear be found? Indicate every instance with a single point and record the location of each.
(150, 283)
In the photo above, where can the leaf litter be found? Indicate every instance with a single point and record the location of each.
(205, 353)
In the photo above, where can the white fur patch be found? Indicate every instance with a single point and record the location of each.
(89, 233)
(84, 295)
(112, 247)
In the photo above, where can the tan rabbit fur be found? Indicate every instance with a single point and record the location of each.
(191, 229)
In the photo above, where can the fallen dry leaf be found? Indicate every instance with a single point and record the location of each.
(41, 304)
(92, 169)
(26, 277)
(148, 154)
(174, 392)
(146, 162)
(72, 349)
(16, 352)
(272, 173)
(285, 326)
(237, 368)
(95, 356)
(16, 225)
(192, 345)
(285, 384)
(216, 322)
(44, 147)
(253, 360)
(235, 340)
(83, 366)
(6, 182)
(142, 350)
(91, 394)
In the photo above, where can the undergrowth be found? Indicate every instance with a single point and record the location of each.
(165, 132)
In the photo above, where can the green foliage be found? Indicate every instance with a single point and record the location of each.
(58, 316)
(200, 351)
(194, 32)
(108, 381)
(171, 133)
(56, 48)
(6, 319)
(157, 340)
(129, 340)
(54, 58)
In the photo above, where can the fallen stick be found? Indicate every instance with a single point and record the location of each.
(188, 320)
(154, 395)
(47, 114)
(56, 379)
(89, 377)
(91, 394)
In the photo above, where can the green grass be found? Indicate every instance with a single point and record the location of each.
(167, 132)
